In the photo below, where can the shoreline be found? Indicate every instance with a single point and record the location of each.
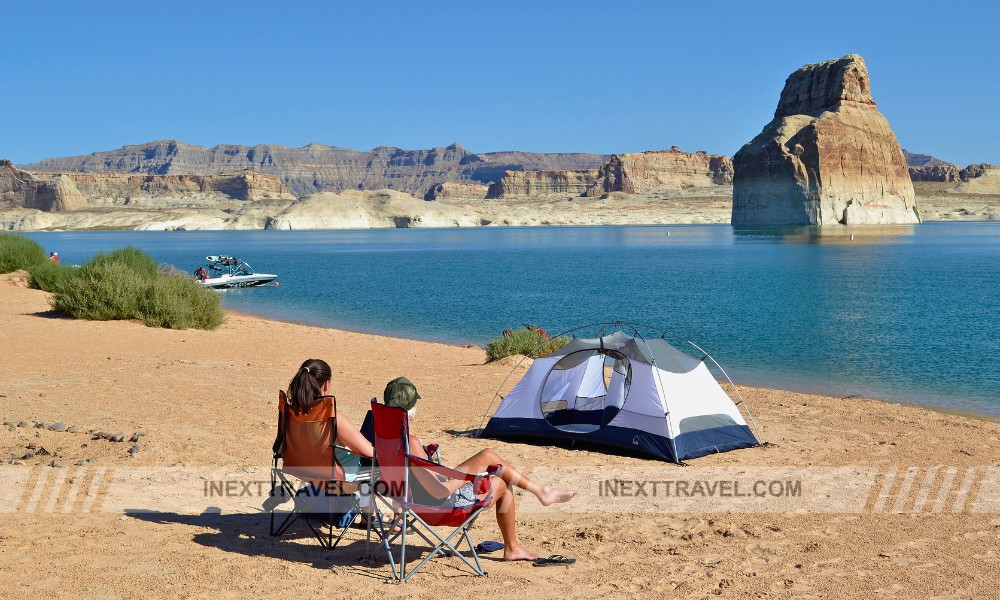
(937, 409)
(492, 225)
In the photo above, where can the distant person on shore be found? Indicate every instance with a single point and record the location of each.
(401, 393)
(54, 257)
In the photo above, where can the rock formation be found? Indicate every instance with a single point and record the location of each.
(828, 156)
(454, 189)
(520, 184)
(75, 191)
(368, 210)
(21, 189)
(661, 169)
(948, 172)
(316, 167)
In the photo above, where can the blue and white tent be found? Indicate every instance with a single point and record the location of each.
(624, 391)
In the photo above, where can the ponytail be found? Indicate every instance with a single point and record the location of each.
(307, 385)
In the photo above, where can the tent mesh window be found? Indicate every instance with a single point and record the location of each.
(585, 390)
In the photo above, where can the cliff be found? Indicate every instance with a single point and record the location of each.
(516, 184)
(316, 167)
(654, 170)
(22, 189)
(947, 172)
(75, 191)
(828, 156)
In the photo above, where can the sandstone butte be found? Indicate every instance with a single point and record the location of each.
(827, 157)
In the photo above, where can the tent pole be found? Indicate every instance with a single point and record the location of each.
(753, 422)
(663, 392)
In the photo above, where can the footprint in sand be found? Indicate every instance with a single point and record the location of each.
(791, 585)
(825, 564)
(712, 560)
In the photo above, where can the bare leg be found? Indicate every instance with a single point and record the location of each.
(513, 477)
(512, 548)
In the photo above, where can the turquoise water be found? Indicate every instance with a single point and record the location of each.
(906, 313)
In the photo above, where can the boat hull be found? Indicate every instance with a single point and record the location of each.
(238, 281)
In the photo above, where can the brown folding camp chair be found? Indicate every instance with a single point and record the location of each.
(307, 470)
(395, 483)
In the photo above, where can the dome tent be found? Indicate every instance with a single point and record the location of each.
(623, 390)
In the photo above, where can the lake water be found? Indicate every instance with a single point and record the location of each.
(907, 313)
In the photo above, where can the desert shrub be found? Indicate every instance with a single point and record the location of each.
(126, 284)
(19, 252)
(177, 302)
(523, 341)
(103, 291)
(132, 258)
(50, 276)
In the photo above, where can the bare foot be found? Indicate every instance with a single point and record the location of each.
(518, 553)
(554, 496)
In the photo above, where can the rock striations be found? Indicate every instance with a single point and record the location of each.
(316, 168)
(63, 192)
(521, 184)
(48, 193)
(649, 172)
(828, 156)
(672, 169)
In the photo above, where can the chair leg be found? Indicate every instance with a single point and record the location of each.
(445, 542)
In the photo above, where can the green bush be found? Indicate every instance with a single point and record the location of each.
(177, 302)
(133, 259)
(523, 341)
(19, 252)
(50, 276)
(103, 291)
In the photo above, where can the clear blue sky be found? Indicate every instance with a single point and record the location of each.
(539, 76)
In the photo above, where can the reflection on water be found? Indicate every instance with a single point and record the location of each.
(905, 313)
(834, 234)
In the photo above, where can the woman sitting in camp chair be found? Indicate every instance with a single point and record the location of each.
(403, 394)
(309, 386)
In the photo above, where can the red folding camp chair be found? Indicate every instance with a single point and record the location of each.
(395, 481)
(307, 471)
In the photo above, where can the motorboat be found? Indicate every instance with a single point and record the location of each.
(224, 272)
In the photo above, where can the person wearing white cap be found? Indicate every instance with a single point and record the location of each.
(54, 257)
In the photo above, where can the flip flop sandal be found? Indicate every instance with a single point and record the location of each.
(555, 559)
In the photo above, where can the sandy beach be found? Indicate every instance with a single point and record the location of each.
(919, 516)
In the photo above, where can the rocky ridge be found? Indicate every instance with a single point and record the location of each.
(68, 192)
(316, 167)
(827, 157)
